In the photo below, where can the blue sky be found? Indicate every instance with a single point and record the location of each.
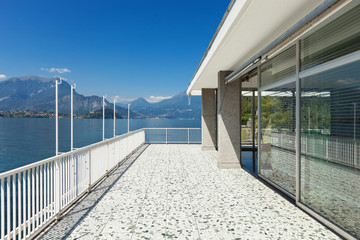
(120, 48)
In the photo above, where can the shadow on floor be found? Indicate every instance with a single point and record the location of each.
(63, 228)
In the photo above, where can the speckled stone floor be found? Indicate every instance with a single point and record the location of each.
(177, 192)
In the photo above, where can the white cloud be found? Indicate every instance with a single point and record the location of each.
(58, 70)
(151, 99)
(2, 76)
(154, 99)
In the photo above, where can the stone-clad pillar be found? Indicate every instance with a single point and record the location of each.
(229, 122)
(208, 119)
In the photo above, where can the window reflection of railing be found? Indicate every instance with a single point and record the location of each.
(339, 150)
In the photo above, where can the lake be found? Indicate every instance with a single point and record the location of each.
(26, 140)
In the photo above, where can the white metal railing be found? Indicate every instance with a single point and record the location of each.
(34, 195)
(330, 148)
(172, 135)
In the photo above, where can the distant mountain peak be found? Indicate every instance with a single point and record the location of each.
(30, 78)
(37, 93)
(182, 93)
(179, 95)
(140, 100)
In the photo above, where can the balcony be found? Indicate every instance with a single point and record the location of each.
(177, 191)
(122, 188)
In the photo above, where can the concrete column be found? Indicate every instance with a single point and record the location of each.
(229, 122)
(208, 119)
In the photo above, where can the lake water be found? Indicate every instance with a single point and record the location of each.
(26, 140)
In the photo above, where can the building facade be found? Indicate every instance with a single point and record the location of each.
(280, 86)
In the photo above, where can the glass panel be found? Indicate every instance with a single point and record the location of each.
(336, 39)
(330, 145)
(248, 138)
(249, 86)
(247, 118)
(277, 158)
(279, 67)
(247, 160)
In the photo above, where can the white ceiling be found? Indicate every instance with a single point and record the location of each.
(250, 26)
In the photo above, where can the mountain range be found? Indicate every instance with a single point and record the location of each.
(176, 107)
(38, 94)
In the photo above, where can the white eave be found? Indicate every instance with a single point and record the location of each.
(249, 27)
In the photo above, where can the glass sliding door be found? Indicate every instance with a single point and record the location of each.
(330, 145)
(312, 152)
(249, 99)
(277, 139)
(278, 159)
(248, 131)
(330, 121)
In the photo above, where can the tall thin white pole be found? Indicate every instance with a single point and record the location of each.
(56, 120)
(129, 117)
(103, 118)
(57, 82)
(114, 115)
(72, 116)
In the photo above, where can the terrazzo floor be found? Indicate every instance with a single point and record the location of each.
(177, 192)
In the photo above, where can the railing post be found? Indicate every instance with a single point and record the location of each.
(336, 147)
(119, 157)
(3, 216)
(166, 135)
(89, 172)
(188, 136)
(355, 155)
(75, 174)
(107, 155)
(327, 148)
(57, 188)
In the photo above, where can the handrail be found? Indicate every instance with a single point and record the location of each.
(173, 135)
(38, 163)
(50, 159)
(171, 128)
(34, 195)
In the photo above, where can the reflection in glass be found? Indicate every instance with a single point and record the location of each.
(278, 68)
(249, 130)
(330, 145)
(247, 101)
(337, 38)
(277, 159)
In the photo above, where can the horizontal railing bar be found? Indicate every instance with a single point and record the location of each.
(171, 135)
(172, 128)
(83, 193)
(58, 177)
(53, 158)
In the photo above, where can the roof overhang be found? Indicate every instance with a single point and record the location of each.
(248, 27)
